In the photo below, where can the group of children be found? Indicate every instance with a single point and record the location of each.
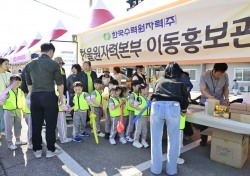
(120, 100)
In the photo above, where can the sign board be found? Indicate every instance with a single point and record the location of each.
(185, 31)
(68, 52)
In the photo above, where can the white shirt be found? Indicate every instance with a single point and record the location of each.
(4, 80)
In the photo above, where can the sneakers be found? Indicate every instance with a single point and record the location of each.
(107, 136)
(50, 154)
(100, 134)
(180, 161)
(112, 141)
(12, 147)
(77, 139)
(66, 140)
(144, 143)
(84, 134)
(122, 140)
(38, 153)
(129, 139)
(21, 143)
(30, 146)
(137, 144)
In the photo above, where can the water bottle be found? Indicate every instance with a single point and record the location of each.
(206, 108)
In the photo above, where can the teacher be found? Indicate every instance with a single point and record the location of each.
(169, 100)
(41, 76)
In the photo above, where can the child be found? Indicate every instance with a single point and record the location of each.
(27, 116)
(106, 110)
(14, 106)
(115, 112)
(124, 96)
(81, 102)
(141, 125)
(61, 123)
(135, 86)
(96, 98)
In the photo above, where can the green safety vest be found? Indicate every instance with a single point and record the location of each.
(98, 98)
(14, 101)
(141, 106)
(130, 108)
(80, 103)
(182, 122)
(125, 110)
(62, 72)
(26, 110)
(116, 112)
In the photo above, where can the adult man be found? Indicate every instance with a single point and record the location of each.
(63, 73)
(214, 85)
(24, 87)
(87, 76)
(138, 74)
(41, 75)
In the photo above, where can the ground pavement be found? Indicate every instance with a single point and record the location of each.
(88, 158)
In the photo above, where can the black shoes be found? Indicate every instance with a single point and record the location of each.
(107, 136)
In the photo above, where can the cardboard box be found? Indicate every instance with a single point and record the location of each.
(239, 112)
(248, 107)
(238, 106)
(235, 116)
(245, 118)
(229, 148)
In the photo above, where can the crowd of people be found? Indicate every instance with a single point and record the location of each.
(34, 96)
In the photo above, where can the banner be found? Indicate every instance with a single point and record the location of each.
(68, 52)
(185, 31)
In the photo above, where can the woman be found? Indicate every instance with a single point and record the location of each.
(106, 78)
(170, 98)
(117, 75)
(188, 131)
(4, 83)
(76, 68)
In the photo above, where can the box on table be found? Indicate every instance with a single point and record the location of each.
(239, 112)
(245, 118)
(248, 107)
(238, 106)
(229, 148)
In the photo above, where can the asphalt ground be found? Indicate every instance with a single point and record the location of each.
(106, 159)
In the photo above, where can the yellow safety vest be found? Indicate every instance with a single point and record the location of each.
(62, 72)
(15, 101)
(98, 98)
(116, 112)
(27, 110)
(182, 122)
(141, 106)
(80, 103)
(125, 110)
(130, 108)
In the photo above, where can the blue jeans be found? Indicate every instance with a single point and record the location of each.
(161, 112)
(2, 129)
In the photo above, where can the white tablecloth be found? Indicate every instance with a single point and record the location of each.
(219, 123)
